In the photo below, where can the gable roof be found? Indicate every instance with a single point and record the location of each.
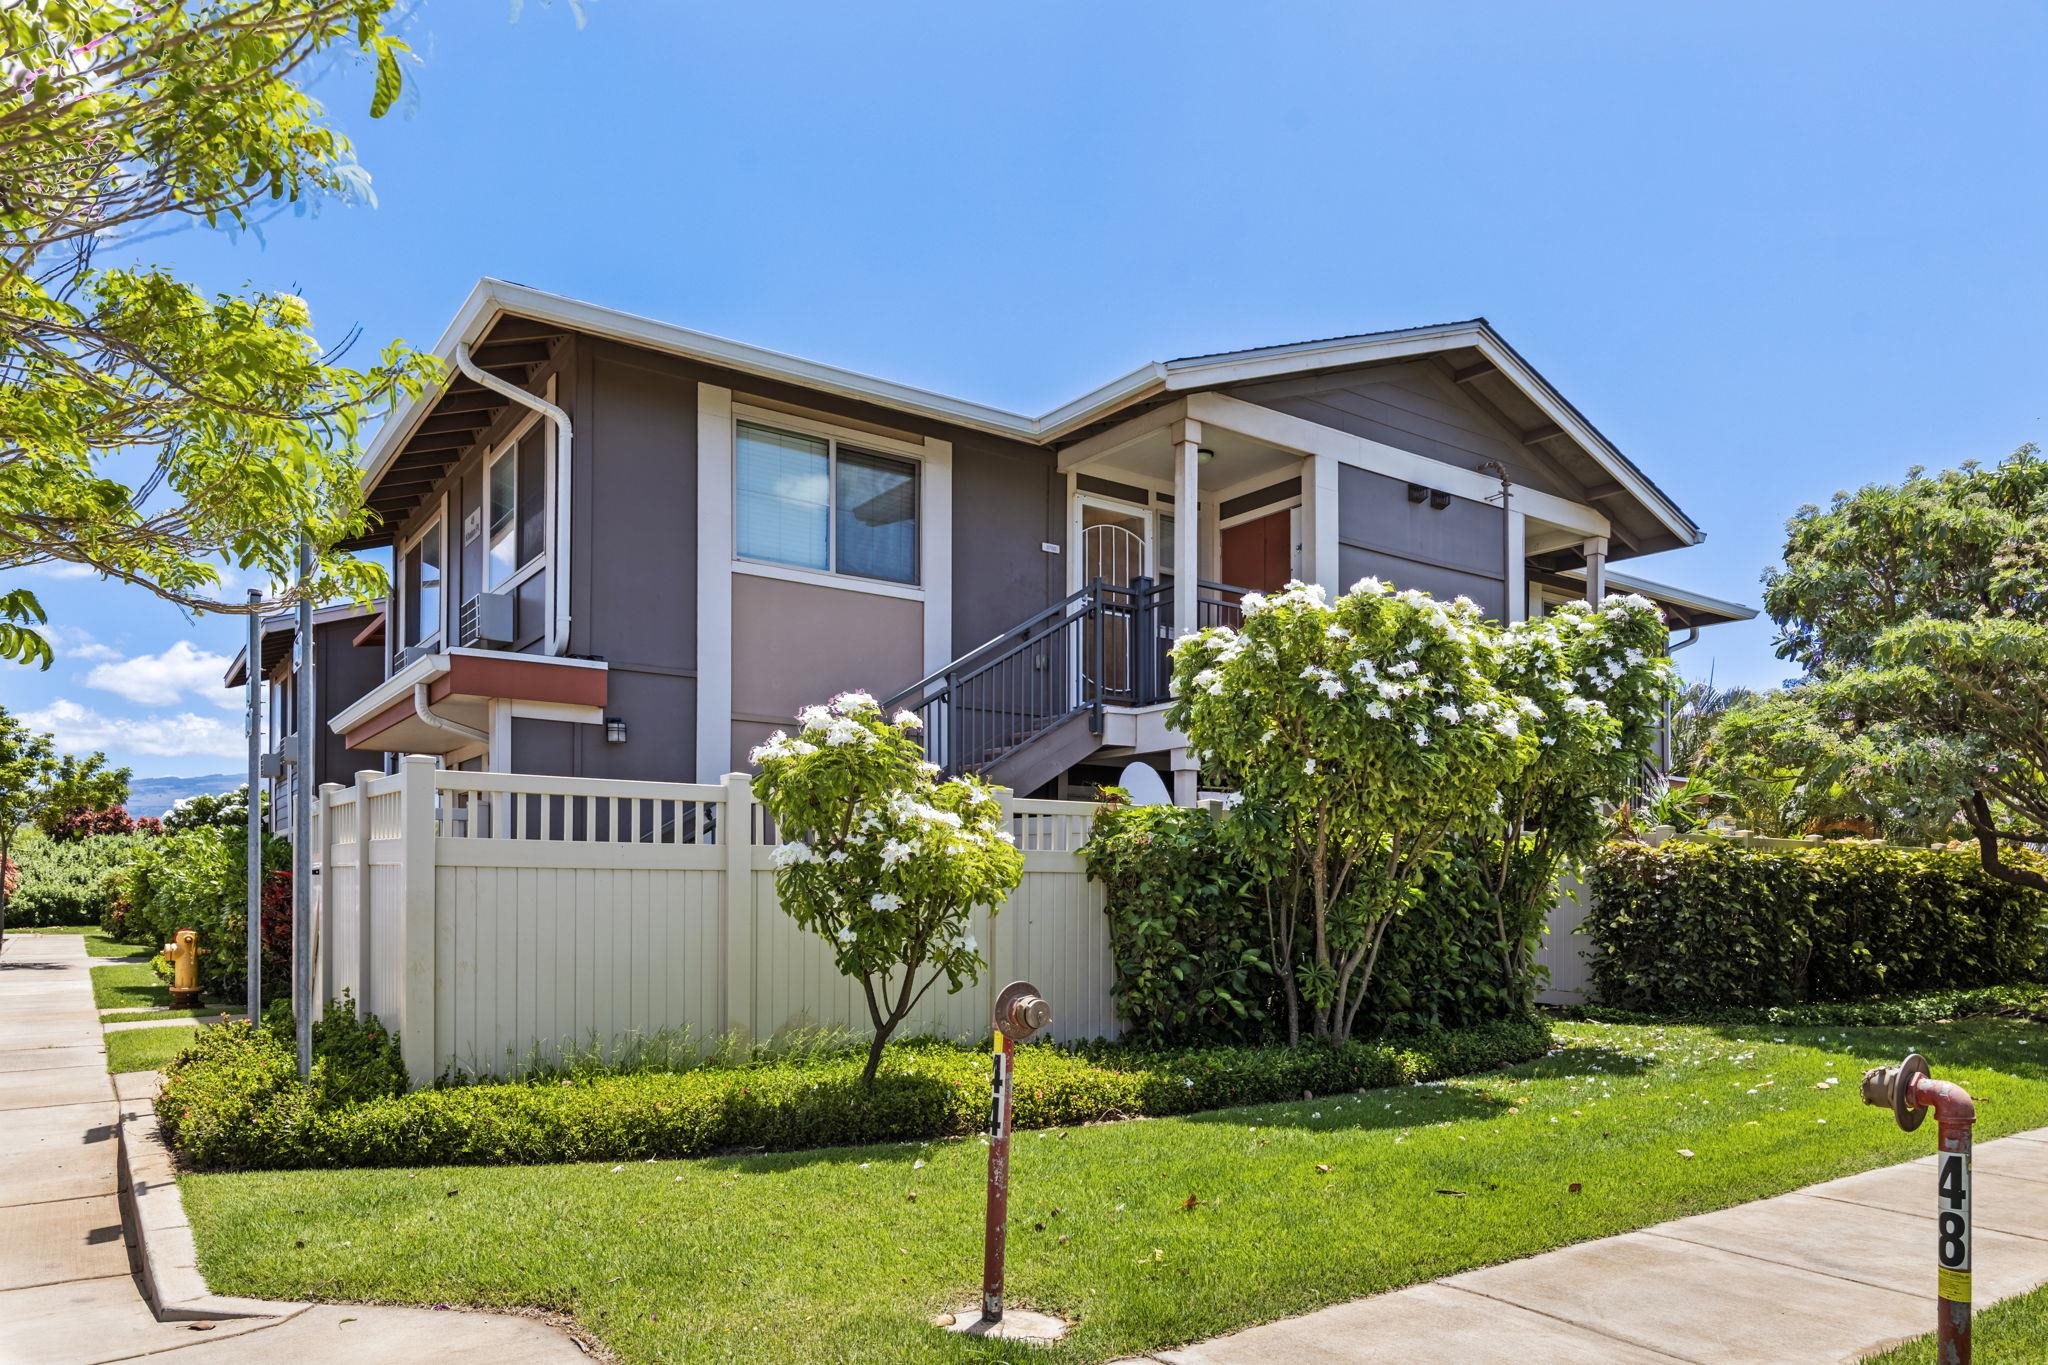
(492, 300)
(281, 628)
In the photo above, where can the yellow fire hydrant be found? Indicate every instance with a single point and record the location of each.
(183, 953)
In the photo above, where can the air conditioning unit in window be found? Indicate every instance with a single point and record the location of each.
(486, 620)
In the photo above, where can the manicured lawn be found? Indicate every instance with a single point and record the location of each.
(147, 1049)
(97, 944)
(1149, 1233)
(128, 983)
(129, 1013)
(2014, 1330)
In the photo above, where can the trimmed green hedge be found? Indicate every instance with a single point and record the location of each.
(1192, 952)
(2027, 1001)
(233, 1100)
(66, 882)
(1694, 926)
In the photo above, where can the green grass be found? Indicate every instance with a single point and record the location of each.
(131, 1014)
(97, 944)
(147, 1049)
(2015, 1330)
(1150, 1233)
(127, 984)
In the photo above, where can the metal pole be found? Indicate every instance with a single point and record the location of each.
(303, 778)
(1019, 1013)
(254, 723)
(995, 1227)
(1910, 1091)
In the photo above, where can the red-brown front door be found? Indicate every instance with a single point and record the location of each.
(1260, 554)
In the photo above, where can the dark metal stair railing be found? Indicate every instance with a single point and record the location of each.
(1104, 645)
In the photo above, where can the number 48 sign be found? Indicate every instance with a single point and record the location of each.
(1953, 1201)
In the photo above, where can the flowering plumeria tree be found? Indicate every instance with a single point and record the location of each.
(1361, 734)
(880, 856)
(1589, 686)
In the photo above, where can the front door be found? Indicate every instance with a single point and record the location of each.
(1259, 554)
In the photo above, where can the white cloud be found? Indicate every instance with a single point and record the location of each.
(79, 729)
(75, 645)
(167, 678)
(62, 569)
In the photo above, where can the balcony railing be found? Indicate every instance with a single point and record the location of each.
(1102, 646)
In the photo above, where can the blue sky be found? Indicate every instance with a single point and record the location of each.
(1772, 251)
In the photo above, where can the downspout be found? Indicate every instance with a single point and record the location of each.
(558, 618)
(454, 727)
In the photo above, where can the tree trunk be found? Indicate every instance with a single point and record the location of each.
(1988, 852)
(867, 1075)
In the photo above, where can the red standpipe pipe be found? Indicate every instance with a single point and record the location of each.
(1955, 1115)
(995, 1226)
(1909, 1092)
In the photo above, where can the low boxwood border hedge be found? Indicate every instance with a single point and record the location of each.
(2017, 1002)
(234, 1101)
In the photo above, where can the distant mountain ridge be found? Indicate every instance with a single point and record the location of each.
(155, 795)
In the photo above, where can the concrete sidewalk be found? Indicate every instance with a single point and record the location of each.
(1828, 1273)
(68, 1295)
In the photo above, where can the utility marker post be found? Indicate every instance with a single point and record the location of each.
(305, 697)
(1909, 1091)
(253, 722)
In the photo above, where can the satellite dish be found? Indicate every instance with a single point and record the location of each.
(1146, 786)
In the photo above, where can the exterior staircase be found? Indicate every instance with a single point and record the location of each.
(1029, 704)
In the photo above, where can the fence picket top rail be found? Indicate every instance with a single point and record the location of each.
(532, 784)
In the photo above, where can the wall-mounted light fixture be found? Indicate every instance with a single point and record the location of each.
(1203, 454)
(614, 730)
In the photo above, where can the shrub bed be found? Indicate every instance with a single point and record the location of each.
(1192, 953)
(233, 1100)
(65, 882)
(2028, 1001)
(1692, 926)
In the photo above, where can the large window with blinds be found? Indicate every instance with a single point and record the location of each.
(814, 502)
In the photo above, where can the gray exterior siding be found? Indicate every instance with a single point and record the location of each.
(633, 544)
(1457, 550)
(1412, 406)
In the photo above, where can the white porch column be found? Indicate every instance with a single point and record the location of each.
(1516, 583)
(1596, 569)
(1187, 573)
(714, 581)
(1319, 478)
(1187, 528)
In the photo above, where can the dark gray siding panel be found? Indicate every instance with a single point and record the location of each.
(1006, 509)
(634, 588)
(656, 748)
(1448, 552)
(343, 672)
(1414, 407)
(544, 747)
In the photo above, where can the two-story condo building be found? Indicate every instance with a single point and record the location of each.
(625, 549)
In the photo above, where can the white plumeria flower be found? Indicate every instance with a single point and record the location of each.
(1421, 737)
(790, 855)
(1447, 712)
(885, 901)
(1378, 710)
(1309, 767)
(896, 851)
(1331, 688)
(845, 934)
(908, 720)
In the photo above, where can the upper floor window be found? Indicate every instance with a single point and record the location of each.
(518, 511)
(420, 586)
(813, 502)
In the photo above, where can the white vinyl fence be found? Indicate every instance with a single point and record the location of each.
(487, 915)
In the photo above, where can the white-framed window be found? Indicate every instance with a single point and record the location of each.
(422, 594)
(516, 497)
(806, 498)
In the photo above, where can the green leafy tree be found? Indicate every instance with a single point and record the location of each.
(1361, 734)
(80, 784)
(881, 858)
(1781, 765)
(1588, 686)
(150, 430)
(1699, 708)
(34, 781)
(1920, 612)
(209, 809)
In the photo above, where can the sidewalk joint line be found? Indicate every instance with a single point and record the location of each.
(1586, 1327)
